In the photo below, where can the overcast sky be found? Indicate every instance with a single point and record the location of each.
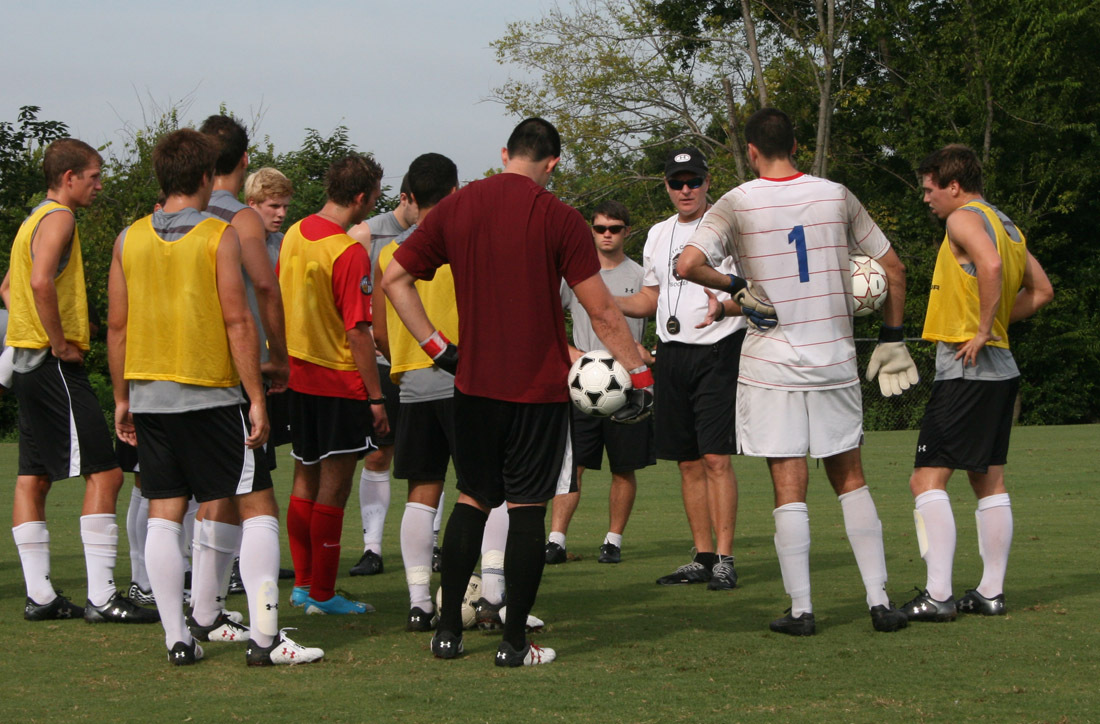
(404, 77)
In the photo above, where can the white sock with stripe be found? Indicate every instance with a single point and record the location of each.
(416, 554)
(32, 540)
(165, 564)
(99, 533)
(374, 501)
(792, 546)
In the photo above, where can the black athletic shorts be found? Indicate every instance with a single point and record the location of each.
(266, 454)
(392, 405)
(278, 414)
(696, 398)
(323, 426)
(127, 457)
(200, 453)
(629, 447)
(512, 451)
(425, 440)
(62, 431)
(967, 424)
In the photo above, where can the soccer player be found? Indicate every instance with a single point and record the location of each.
(696, 378)
(629, 447)
(798, 389)
(336, 401)
(175, 288)
(984, 279)
(511, 405)
(374, 481)
(62, 432)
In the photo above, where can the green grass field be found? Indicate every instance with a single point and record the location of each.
(630, 651)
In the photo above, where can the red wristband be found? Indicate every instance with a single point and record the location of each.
(642, 379)
(435, 345)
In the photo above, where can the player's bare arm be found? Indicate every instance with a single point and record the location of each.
(244, 343)
(51, 240)
(1036, 293)
(639, 305)
(400, 289)
(361, 233)
(693, 266)
(970, 242)
(607, 321)
(893, 312)
(118, 309)
(252, 234)
(5, 289)
(378, 311)
(362, 351)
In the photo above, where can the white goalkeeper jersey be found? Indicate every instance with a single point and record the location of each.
(791, 237)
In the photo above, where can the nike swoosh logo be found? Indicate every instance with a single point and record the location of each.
(330, 545)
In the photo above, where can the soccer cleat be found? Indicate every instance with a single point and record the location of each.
(610, 553)
(723, 577)
(529, 655)
(555, 554)
(437, 559)
(926, 608)
(59, 608)
(236, 583)
(446, 645)
(974, 602)
(693, 572)
(140, 596)
(281, 652)
(119, 609)
(234, 616)
(491, 616)
(224, 629)
(370, 564)
(286, 574)
(803, 625)
(888, 618)
(337, 606)
(182, 654)
(298, 596)
(420, 620)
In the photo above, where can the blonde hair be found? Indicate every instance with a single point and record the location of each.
(266, 183)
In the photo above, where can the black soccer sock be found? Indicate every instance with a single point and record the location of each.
(524, 558)
(461, 549)
(707, 559)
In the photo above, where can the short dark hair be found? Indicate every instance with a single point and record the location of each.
(955, 162)
(232, 140)
(431, 177)
(350, 176)
(67, 154)
(612, 210)
(771, 131)
(182, 158)
(534, 139)
(404, 185)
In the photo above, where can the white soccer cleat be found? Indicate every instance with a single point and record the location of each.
(282, 652)
(529, 655)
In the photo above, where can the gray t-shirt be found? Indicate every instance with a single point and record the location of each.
(164, 396)
(622, 280)
(384, 228)
(992, 363)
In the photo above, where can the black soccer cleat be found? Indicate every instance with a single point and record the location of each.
(182, 654)
(57, 609)
(803, 625)
(446, 645)
(693, 572)
(437, 559)
(723, 577)
(529, 655)
(974, 602)
(555, 554)
(610, 553)
(119, 609)
(925, 608)
(281, 652)
(223, 630)
(370, 564)
(286, 574)
(487, 615)
(141, 596)
(236, 583)
(419, 620)
(888, 618)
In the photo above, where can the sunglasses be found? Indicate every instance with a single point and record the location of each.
(614, 228)
(691, 183)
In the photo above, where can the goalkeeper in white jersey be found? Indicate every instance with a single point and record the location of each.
(798, 389)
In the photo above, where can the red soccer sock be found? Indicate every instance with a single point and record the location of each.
(298, 516)
(326, 525)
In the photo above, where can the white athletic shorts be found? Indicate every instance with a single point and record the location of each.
(785, 423)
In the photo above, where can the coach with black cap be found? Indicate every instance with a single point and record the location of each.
(696, 377)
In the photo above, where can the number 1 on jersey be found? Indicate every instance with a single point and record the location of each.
(798, 238)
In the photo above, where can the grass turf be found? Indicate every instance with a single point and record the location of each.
(629, 650)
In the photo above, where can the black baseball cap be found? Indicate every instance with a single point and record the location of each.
(686, 159)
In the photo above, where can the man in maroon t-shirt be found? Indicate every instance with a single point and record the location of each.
(509, 242)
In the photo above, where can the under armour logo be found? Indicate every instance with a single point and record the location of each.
(271, 606)
(445, 644)
(501, 655)
(922, 448)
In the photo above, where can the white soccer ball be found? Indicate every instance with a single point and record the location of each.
(469, 600)
(868, 285)
(598, 384)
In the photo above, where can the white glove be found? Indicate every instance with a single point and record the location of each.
(894, 367)
(760, 315)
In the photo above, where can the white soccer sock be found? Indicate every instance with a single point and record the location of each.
(137, 523)
(416, 553)
(188, 536)
(994, 518)
(165, 564)
(792, 545)
(493, 542)
(260, 575)
(936, 536)
(33, 543)
(374, 501)
(556, 536)
(615, 539)
(215, 549)
(864, 531)
(437, 523)
(99, 532)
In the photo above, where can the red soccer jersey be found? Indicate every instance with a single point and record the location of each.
(509, 242)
